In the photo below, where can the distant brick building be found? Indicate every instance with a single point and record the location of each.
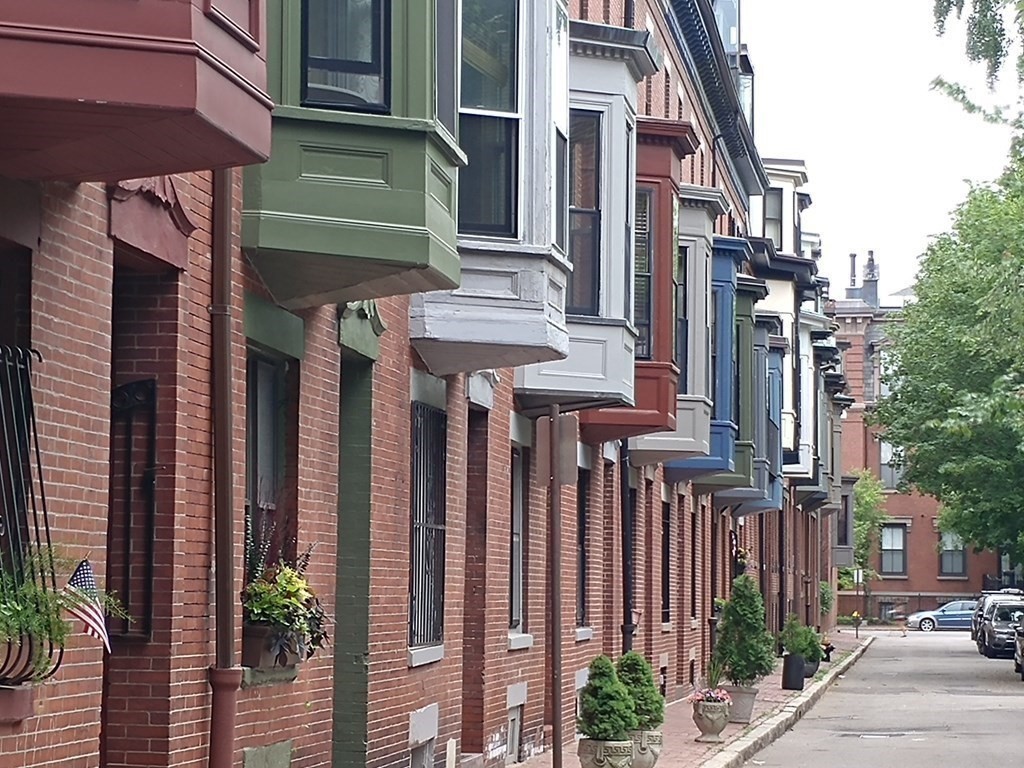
(919, 567)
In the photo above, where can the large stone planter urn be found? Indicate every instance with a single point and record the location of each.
(710, 717)
(742, 708)
(605, 754)
(646, 748)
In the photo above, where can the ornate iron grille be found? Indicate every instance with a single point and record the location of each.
(26, 559)
(429, 492)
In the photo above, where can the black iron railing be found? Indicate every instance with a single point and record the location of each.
(26, 560)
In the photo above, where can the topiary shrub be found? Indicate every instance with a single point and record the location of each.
(801, 640)
(607, 712)
(826, 597)
(744, 646)
(638, 677)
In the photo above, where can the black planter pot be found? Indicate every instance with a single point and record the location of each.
(811, 668)
(793, 667)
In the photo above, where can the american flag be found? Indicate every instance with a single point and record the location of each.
(83, 602)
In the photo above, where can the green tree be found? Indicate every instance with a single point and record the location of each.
(956, 370)
(638, 677)
(868, 517)
(744, 647)
(992, 28)
(607, 712)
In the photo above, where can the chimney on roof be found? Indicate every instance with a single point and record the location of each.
(853, 270)
(870, 290)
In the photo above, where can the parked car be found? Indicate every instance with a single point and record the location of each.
(953, 615)
(1018, 650)
(1008, 593)
(997, 634)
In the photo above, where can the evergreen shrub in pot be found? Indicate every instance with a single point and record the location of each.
(638, 677)
(744, 647)
(607, 715)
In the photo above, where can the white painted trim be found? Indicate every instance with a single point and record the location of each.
(584, 456)
(424, 388)
(666, 492)
(430, 654)
(519, 641)
(515, 695)
(520, 430)
(581, 678)
(611, 452)
(423, 725)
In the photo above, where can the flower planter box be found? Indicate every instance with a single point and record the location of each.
(261, 649)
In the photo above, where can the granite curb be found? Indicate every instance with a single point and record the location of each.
(737, 752)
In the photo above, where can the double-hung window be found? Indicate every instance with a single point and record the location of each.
(490, 118)
(582, 534)
(666, 562)
(952, 556)
(643, 272)
(891, 473)
(681, 314)
(516, 611)
(264, 447)
(713, 371)
(429, 512)
(894, 550)
(584, 213)
(773, 216)
(346, 54)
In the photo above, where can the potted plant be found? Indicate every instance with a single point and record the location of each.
(607, 715)
(740, 562)
(31, 623)
(284, 622)
(744, 647)
(794, 662)
(811, 649)
(638, 677)
(711, 705)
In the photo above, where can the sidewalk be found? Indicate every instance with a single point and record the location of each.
(775, 711)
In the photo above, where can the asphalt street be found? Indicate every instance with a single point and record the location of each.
(924, 700)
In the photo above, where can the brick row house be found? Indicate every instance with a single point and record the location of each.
(918, 566)
(495, 304)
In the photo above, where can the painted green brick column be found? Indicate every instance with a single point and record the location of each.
(359, 328)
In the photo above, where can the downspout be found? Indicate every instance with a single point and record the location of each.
(761, 560)
(555, 575)
(782, 566)
(713, 619)
(225, 677)
(628, 628)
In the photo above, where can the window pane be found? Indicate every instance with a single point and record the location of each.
(561, 188)
(773, 204)
(447, 21)
(267, 434)
(489, 54)
(584, 148)
(643, 258)
(584, 253)
(487, 186)
(582, 513)
(516, 544)
(682, 332)
(345, 53)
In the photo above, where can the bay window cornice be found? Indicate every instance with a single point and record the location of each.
(636, 49)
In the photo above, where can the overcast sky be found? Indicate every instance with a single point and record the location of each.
(845, 87)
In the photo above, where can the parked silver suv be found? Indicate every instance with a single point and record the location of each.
(1008, 593)
(997, 634)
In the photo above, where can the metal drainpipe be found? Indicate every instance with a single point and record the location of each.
(225, 677)
(628, 628)
(762, 572)
(782, 567)
(554, 413)
(713, 618)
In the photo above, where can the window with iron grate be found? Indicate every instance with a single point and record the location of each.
(429, 517)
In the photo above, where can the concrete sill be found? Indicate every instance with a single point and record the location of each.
(519, 641)
(258, 677)
(584, 633)
(666, 626)
(952, 578)
(893, 577)
(419, 657)
(694, 623)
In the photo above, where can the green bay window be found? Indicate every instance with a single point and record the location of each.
(584, 213)
(489, 118)
(346, 54)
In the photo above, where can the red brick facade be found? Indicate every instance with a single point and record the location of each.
(923, 586)
(100, 321)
